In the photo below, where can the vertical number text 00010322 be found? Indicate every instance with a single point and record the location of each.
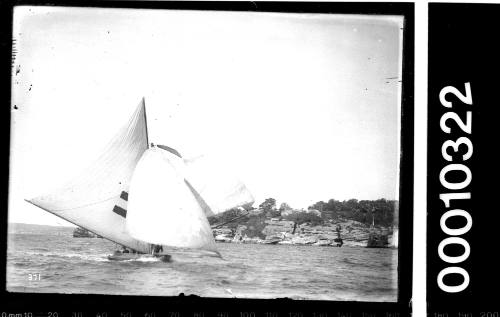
(452, 151)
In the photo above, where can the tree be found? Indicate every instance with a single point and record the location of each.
(333, 205)
(284, 207)
(268, 205)
(303, 217)
(224, 217)
(382, 211)
(352, 203)
(320, 205)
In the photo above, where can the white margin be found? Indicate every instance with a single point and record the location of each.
(419, 300)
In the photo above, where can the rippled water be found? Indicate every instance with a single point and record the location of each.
(80, 265)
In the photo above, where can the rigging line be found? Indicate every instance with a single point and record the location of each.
(87, 205)
(231, 220)
(143, 108)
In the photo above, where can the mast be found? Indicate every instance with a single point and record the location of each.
(151, 246)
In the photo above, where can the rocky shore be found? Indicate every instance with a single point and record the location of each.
(276, 231)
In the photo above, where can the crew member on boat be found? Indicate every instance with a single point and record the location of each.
(155, 249)
(158, 248)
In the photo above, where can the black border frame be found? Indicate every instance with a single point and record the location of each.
(462, 48)
(66, 303)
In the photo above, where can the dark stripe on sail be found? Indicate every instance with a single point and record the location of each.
(124, 196)
(120, 211)
(169, 149)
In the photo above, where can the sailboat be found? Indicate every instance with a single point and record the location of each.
(144, 196)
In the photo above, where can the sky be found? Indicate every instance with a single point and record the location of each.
(301, 107)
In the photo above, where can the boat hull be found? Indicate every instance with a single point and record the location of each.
(126, 256)
(138, 257)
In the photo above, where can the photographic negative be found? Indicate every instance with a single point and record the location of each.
(226, 154)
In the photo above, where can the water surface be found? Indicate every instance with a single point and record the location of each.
(80, 265)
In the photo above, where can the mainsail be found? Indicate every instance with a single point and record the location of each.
(97, 199)
(162, 209)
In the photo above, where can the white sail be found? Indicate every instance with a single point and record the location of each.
(161, 208)
(97, 199)
(214, 186)
(218, 187)
(185, 191)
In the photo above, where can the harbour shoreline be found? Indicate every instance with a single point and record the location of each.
(352, 233)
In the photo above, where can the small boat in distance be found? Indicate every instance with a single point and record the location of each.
(82, 233)
(145, 197)
(273, 240)
(376, 239)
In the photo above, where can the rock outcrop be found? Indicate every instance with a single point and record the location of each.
(223, 234)
(353, 233)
